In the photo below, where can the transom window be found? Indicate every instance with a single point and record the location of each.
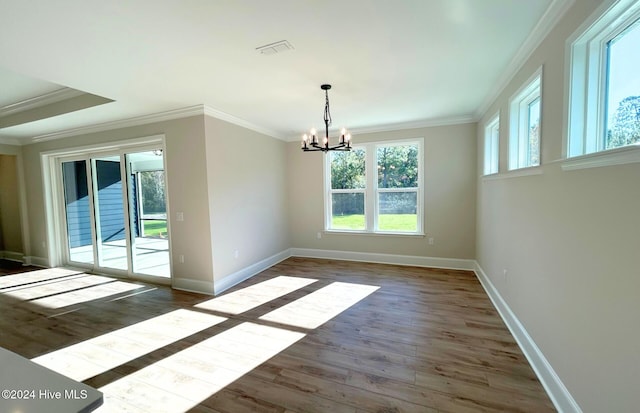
(524, 136)
(604, 101)
(492, 145)
(623, 88)
(376, 187)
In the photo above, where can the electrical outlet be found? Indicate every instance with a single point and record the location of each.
(431, 241)
(181, 258)
(319, 235)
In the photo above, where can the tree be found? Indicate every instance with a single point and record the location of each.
(534, 144)
(347, 172)
(398, 166)
(152, 188)
(347, 169)
(625, 127)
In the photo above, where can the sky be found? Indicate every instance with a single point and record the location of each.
(624, 68)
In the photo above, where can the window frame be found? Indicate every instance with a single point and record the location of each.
(371, 190)
(587, 78)
(491, 163)
(519, 122)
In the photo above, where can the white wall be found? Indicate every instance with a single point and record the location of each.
(10, 229)
(570, 243)
(449, 197)
(246, 176)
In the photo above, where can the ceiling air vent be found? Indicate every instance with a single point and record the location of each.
(273, 48)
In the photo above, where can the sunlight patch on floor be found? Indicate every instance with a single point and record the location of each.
(239, 301)
(25, 278)
(190, 376)
(86, 294)
(186, 378)
(46, 288)
(317, 308)
(100, 354)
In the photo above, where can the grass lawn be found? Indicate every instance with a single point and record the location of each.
(386, 222)
(155, 228)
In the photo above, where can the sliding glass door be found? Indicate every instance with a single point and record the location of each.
(148, 213)
(78, 212)
(109, 213)
(115, 212)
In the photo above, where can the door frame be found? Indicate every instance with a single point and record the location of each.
(55, 220)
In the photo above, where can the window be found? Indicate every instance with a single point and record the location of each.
(347, 190)
(397, 187)
(375, 188)
(492, 145)
(524, 136)
(623, 88)
(604, 96)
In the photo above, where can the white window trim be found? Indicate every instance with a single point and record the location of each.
(586, 61)
(491, 163)
(516, 173)
(518, 121)
(371, 190)
(617, 156)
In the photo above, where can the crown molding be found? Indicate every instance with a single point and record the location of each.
(153, 118)
(424, 123)
(208, 111)
(124, 123)
(40, 101)
(218, 114)
(9, 141)
(547, 22)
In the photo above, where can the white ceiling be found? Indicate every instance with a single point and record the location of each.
(392, 64)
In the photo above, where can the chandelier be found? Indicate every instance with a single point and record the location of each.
(310, 142)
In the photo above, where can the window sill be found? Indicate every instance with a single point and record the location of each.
(375, 234)
(618, 156)
(515, 173)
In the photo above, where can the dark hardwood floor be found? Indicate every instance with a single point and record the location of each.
(306, 335)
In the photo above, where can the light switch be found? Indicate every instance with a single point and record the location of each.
(180, 216)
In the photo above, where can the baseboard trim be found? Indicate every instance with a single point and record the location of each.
(36, 261)
(410, 260)
(12, 256)
(248, 272)
(191, 285)
(558, 393)
(218, 287)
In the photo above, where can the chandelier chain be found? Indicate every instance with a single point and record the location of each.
(327, 112)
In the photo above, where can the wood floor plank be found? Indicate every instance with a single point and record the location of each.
(424, 340)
